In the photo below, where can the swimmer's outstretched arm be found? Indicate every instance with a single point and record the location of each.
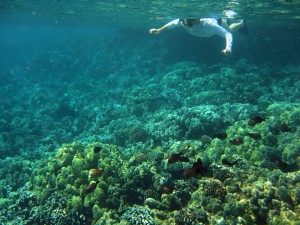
(221, 31)
(227, 50)
(170, 25)
(156, 31)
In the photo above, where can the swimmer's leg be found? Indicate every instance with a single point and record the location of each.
(234, 27)
(223, 23)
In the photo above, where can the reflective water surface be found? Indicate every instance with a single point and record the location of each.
(139, 13)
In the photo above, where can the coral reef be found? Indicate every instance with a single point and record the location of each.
(26, 210)
(191, 216)
(92, 145)
(214, 188)
(96, 183)
(138, 215)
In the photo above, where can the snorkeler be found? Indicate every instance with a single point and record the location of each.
(205, 28)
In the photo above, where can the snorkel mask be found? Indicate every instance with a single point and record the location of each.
(189, 22)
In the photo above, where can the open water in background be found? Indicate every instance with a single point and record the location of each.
(88, 71)
(29, 27)
(44, 43)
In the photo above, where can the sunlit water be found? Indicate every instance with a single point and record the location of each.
(54, 39)
(89, 71)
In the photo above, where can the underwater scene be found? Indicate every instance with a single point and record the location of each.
(150, 112)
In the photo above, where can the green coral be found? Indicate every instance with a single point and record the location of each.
(75, 203)
(239, 195)
(71, 166)
(291, 152)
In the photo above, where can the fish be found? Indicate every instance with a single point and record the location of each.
(284, 128)
(221, 135)
(167, 189)
(96, 172)
(281, 164)
(97, 149)
(255, 136)
(197, 168)
(176, 158)
(236, 141)
(255, 120)
(227, 162)
(91, 187)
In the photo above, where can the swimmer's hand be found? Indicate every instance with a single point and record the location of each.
(154, 31)
(227, 51)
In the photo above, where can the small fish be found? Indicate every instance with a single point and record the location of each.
(284, 128)
(236, 141)
(227, 162)
(167, 189)
(177, 157)
(97, 149)
(197, 168)
(96, 172)
(221, 135)
(281, 164)
(255, 136)
(255, 120)
(90, 188)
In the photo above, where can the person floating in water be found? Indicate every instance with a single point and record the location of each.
(205, 27)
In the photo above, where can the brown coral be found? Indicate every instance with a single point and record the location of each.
(214, 188)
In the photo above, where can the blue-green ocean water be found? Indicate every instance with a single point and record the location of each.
(90, 71)
(46, 47)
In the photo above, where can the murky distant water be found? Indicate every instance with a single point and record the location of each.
(272, 24)
(43, 43)
(144, 13)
